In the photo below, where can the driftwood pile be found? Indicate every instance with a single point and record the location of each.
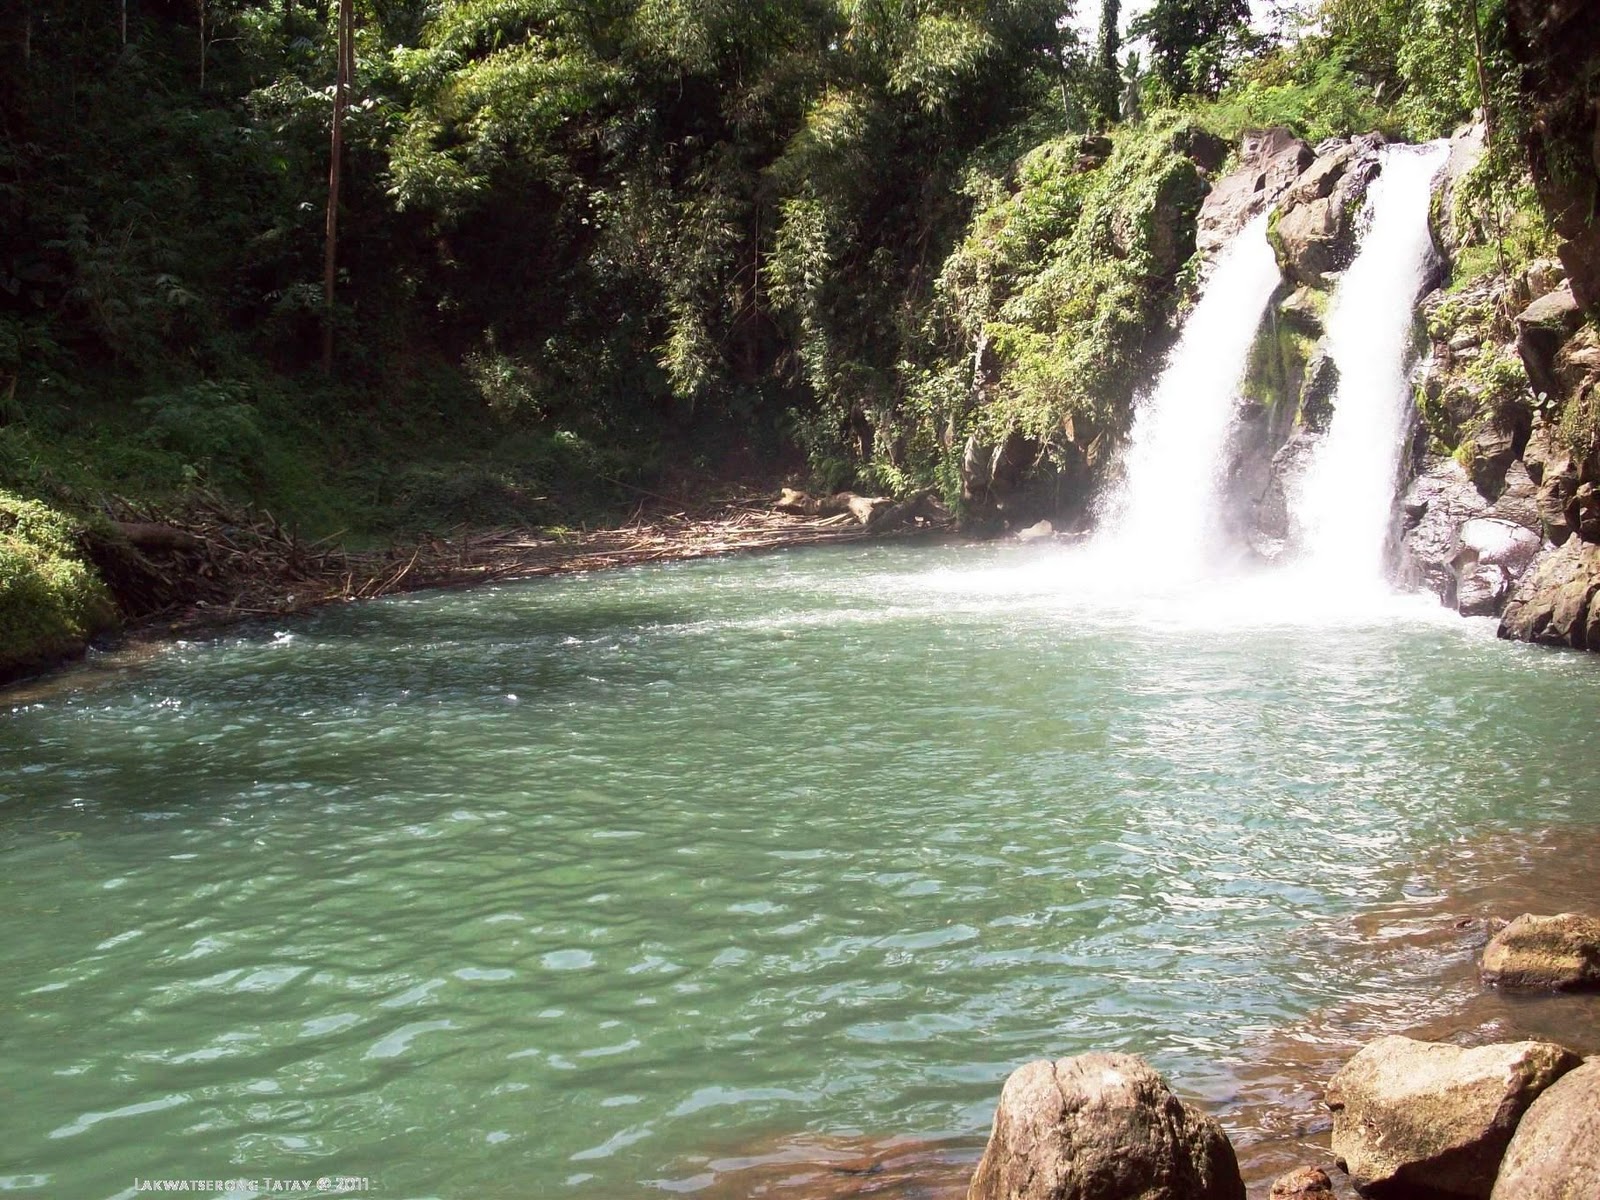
(211, 563)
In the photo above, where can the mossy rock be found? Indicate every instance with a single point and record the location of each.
(51, 601)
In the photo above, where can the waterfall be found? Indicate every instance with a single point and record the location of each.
(1167, 502)
(1342, 508)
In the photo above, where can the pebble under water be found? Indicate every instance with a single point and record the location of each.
(585, 887)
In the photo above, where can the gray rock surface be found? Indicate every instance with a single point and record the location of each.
(1555, 1154)
(1102, 1127)
(1426, 1119)
(1542, 329)
(1440, 500)
(1554, 602)
(1315, 231)
(1269, 162)
(1269, 522)
(1491, 557)
(1554, 953)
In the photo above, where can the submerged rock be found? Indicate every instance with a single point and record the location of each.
(1303, 1183)
(1555, 1154)
(1425, 1119)
(1554, 953)
(1102, 1127)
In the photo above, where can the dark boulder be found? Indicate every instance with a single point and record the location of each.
(1554, 603)
(1542, 329)
(1556, 43)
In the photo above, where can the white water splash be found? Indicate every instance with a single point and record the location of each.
(1168, 496)
(1343, 506)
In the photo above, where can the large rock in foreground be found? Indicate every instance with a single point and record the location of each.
(1557, 953)
(1555, 1154)
(1425, 1119)
(1102, 1127)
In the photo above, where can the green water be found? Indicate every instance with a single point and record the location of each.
(569, 888)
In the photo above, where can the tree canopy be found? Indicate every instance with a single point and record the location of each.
(577, 239)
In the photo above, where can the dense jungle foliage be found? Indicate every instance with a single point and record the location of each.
(591, 247)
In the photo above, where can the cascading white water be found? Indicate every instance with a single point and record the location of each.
(1168, 495)
(1343, 506)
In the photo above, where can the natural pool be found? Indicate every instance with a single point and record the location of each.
(588, 886)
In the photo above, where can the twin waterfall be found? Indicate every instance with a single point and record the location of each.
(1168, 492)
(1341, 506)
(1345, 503)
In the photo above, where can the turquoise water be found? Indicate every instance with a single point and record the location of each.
(575, 887)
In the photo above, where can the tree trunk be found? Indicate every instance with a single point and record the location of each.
(1483, 75)
(335, 179)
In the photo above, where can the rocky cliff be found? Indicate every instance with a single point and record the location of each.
(1503, 516)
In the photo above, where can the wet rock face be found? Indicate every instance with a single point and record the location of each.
(1269, 162)
(1542, 329)
(1559, 953)
(1315, 234)
(1102, 1127)
(1430, 1120)
(1440, 500)
(1555, 1154)
(1469, 551)
(1554, 603)
(1491, 557)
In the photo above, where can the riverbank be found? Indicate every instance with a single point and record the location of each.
(179, 574)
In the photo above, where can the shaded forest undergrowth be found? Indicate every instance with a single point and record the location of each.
(587, 255)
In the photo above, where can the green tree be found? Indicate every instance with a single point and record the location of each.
(1195, 43)
(1108, 80)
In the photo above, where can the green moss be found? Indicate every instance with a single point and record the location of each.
(1068, 276)
(1435, 414)
(1277, 365)
(1471, 264)
(51, 601)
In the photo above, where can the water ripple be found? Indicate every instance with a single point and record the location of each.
(816, 842)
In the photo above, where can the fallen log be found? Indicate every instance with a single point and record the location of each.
(864, 509)
(151, 535)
